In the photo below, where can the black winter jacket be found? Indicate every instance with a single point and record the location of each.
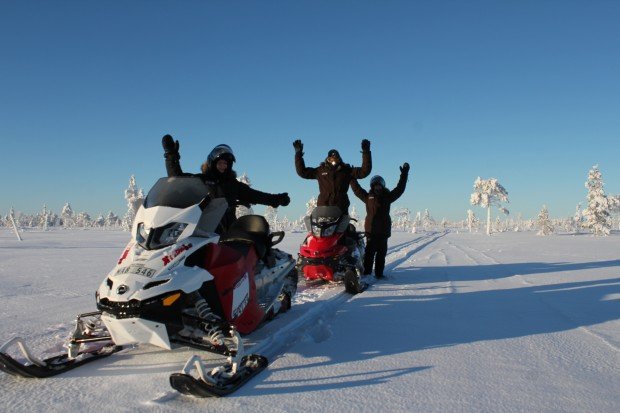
(334, 181)
(378, 222)
(225, 186)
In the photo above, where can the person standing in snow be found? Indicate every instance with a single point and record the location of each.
(378, 224)
(217, 172)
(333, 175)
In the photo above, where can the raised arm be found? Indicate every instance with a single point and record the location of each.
(364, 170)
(171, 153)
(359, 191)
(300, 165)
(402, 183)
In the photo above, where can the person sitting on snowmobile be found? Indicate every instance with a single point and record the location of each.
(333, 175)
(218, 173)
(378, 223)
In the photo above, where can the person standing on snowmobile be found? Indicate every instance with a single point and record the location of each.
(333, 175)
(378, 224)
(217, 172)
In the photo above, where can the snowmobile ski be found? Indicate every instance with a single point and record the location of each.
(221, 381)
(54, 365)
(353, 284)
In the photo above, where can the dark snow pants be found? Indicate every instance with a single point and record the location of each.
(376, 249)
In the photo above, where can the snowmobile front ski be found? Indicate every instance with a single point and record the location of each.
(219, 382)
(352, 283)
(50, 366)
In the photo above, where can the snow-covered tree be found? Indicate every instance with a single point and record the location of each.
(427, 221)
(111, 220)
(488, 193)
(310, 205)
(577, 220)
(498, 227)
(242, 210)
(67, 215)
(99, 221)
(614, 204)
(444, 223)
(417, 222)
(43, 218)
(285, 224)
(13, 222)
(401, 218)
(83, 220)
(543, 222)
(472, 221)
(134, 197)
(597, 213)
(271, 215)
(359, 221)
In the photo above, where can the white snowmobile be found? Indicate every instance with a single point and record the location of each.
(178, 283)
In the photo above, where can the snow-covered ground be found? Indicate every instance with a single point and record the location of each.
(508, 323)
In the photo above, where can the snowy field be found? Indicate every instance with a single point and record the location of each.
(464, 323)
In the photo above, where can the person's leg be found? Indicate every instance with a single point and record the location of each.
(369, 255)
(381, 248)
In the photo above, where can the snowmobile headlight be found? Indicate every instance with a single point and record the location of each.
(316, 231)
(156, 238)
(166, 235)
(329, 231)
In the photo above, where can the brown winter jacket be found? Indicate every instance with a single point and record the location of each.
(378, 222)
(334, 181)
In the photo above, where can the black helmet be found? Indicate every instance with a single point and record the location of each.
(221, 152)
(333, 157)
(377, 180)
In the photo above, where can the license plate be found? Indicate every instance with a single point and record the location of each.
(137, 269)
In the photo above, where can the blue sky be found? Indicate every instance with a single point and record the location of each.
(527, 92)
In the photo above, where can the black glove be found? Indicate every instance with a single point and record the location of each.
(299, 147)
(404, 170)
(365, 145)
(171, 147)
(281, 200)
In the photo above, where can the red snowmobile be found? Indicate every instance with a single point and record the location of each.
(333, 250)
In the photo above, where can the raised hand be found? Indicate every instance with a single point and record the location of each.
(171, 147)
(404, 169)
(284, 199)
(280, 200)
(365, 145)
(298, 146)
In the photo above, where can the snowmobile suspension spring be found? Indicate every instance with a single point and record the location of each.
(214, 333)
(211, 327)
(204, 310)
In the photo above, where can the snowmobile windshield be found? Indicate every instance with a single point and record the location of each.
(177, 192)
(324, 220)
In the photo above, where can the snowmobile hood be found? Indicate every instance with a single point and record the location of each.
(141, 274)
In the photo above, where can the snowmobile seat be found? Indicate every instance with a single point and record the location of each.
(249, 229)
